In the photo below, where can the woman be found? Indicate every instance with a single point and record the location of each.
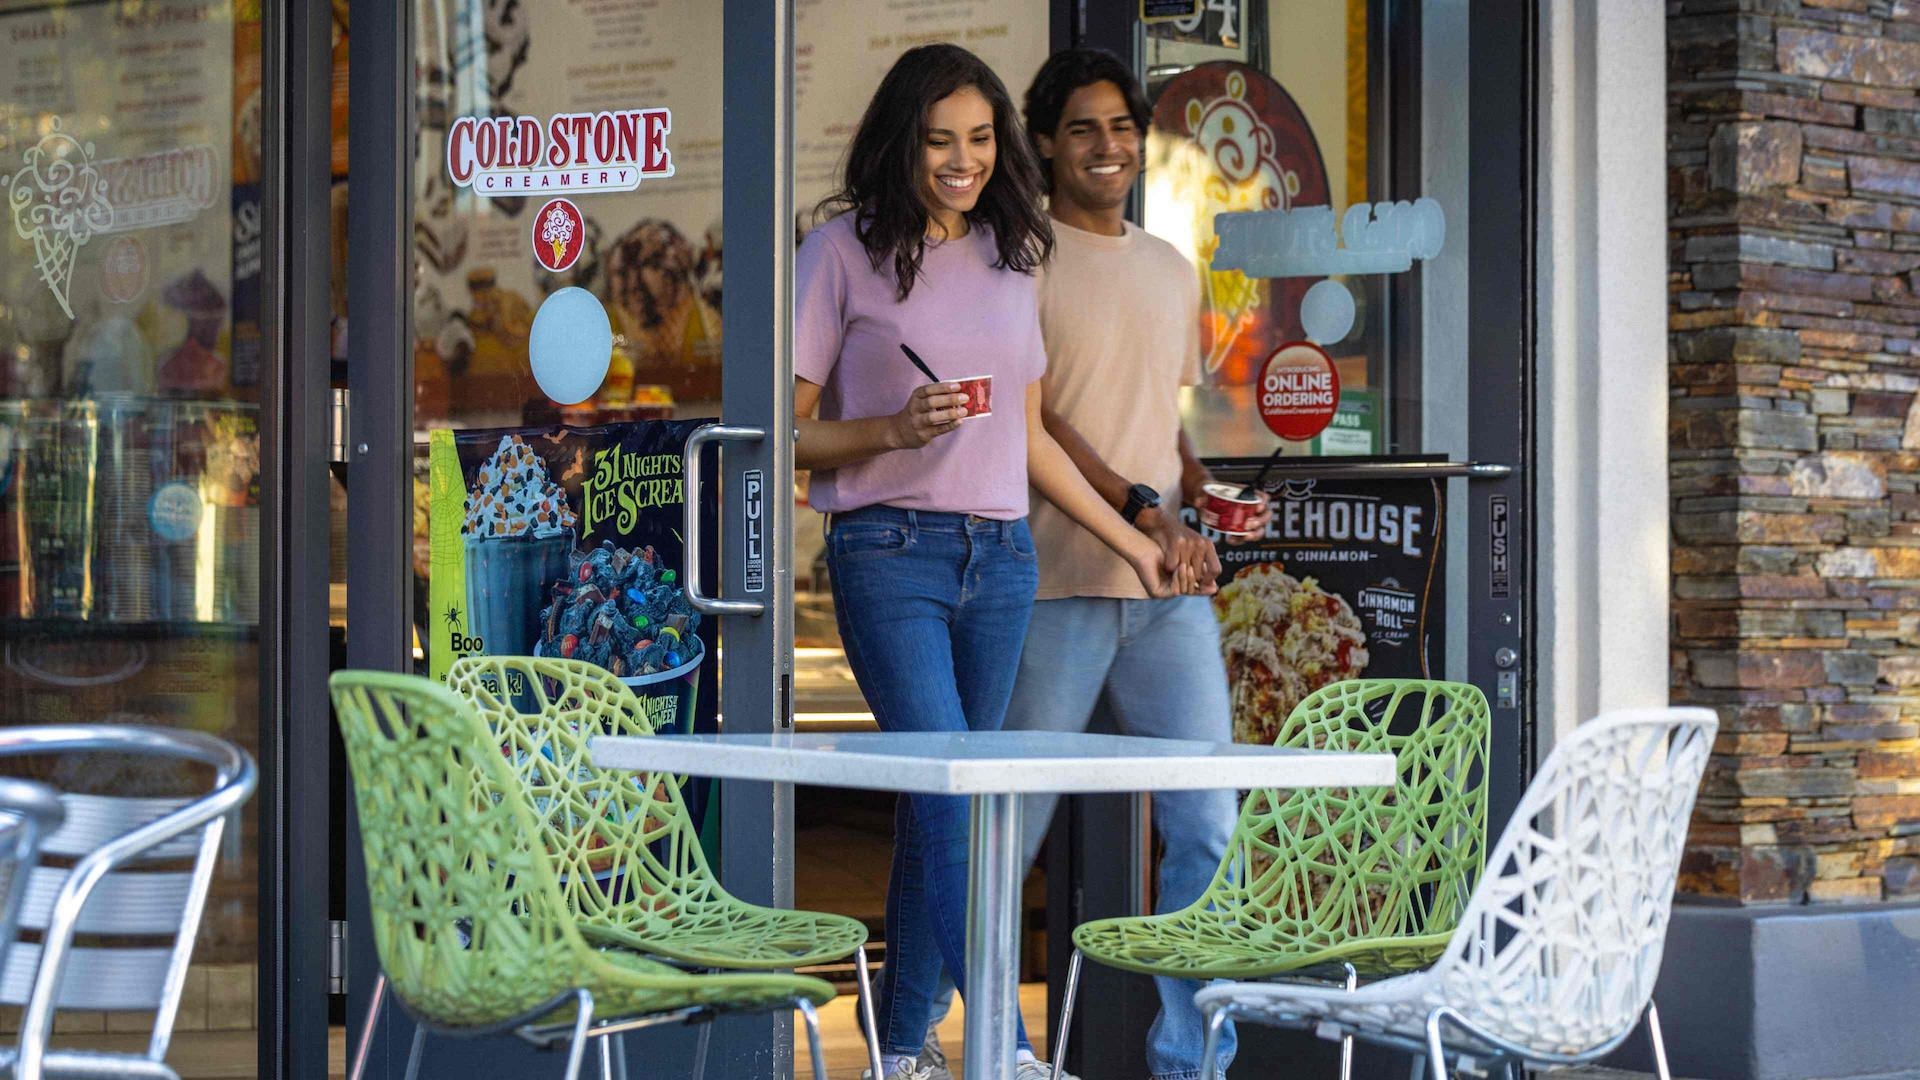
(939, 231)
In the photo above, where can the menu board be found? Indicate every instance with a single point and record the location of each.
(1347, 582)
(117, 156)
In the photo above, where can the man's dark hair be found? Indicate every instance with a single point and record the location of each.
(1067, 71)
(885, 174)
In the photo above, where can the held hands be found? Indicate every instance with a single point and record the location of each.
(934, 410)
(1188, 558)
(1147, 562)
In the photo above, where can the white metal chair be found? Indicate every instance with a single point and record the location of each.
(1556, 956)
(140, 870)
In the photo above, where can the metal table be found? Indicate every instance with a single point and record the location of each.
(994, 769)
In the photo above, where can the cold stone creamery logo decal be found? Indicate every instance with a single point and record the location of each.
(1377, 238)
(164, 188)
(59, 201)
(573, 152)
(622, 485)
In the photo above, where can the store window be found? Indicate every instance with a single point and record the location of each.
(131, 365)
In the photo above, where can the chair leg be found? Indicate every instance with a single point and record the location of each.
(813, 1039)
(1659, 1042)
(700, 1044)
(1346, 1041)
(366, 1030)
(581, 1025)
(619, 1056)
(1210, 1054)
(1419, 1068)
(871, 1026)
(414, 1054)
(1066, 1013)
(606, 1056)
(1436, 1050)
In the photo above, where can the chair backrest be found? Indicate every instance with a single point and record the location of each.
(137, 868)
(467, 916)
(1327, 866)
(625, 848)
(29, 813)
(1560, 945)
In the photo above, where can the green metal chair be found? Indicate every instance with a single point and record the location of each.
(471, 927)
(631, 866)
(1325, 882)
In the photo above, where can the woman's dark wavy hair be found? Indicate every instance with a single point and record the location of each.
(1069, 70)
(885, 174)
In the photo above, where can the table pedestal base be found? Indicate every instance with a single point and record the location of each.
(993, 946)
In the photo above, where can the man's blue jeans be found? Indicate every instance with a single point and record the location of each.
(932, 610)
(1157, 664)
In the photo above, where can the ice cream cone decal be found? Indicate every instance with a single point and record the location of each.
(58, 201)
(1247, 175)
(558, 232)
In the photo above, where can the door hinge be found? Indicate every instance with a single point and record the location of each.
(340, 431)
(337, 956)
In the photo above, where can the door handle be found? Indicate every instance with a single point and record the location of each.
(696, 442)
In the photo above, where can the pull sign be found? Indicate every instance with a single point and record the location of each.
(754, 495)
(1499, 565)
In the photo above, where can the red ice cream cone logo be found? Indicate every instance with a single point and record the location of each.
(559, 235)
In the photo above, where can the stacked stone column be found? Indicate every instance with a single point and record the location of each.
(1794, 193)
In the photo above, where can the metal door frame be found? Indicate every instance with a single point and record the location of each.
(293, 803)
(756, 831)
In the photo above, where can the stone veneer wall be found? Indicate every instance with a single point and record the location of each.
(1794, 194)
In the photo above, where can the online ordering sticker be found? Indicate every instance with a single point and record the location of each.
(1299, 391)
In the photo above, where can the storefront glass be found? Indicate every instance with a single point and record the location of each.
(130, 372)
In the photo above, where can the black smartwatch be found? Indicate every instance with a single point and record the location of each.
(1139, 497)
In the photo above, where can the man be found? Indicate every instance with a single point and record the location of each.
(1119, 309)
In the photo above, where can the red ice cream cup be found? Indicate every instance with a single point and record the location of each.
(1223, 509)
(979, 392)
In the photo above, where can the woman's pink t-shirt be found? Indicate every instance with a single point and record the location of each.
(964, 318)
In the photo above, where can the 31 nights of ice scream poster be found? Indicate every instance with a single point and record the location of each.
(566, 542)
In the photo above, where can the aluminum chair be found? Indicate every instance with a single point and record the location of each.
(29, 813)
(1555, 958)
(114, 895)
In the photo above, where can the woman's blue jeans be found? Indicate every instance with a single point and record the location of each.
(933, 611)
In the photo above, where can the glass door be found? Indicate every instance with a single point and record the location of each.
(132, 367)
(539, 207)
(1350, 180)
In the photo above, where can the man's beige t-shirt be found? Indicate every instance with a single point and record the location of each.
(1120, 316)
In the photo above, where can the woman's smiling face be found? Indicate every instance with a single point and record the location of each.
(958, 157)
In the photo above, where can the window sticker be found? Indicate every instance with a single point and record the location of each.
(511, 156)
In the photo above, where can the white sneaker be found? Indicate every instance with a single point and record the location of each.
(1039, 1070)
(908, 1069)
(933, 1058)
